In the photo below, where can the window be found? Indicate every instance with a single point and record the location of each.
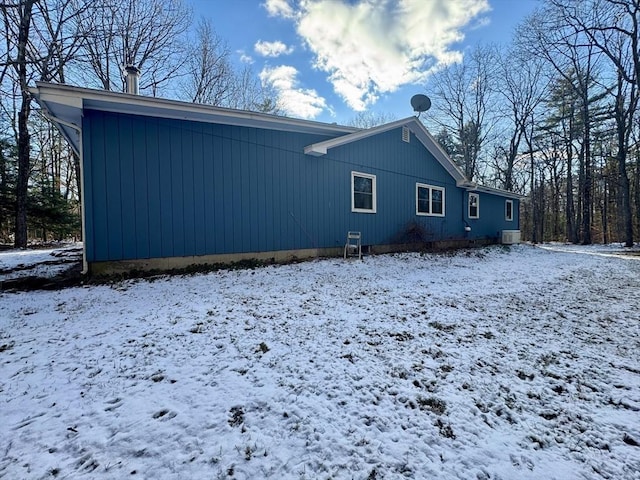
(508, 210)
(474, 205)
(429, 200)
(363, 193)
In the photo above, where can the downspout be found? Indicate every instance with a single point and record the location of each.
(465, 211)
(51, 118)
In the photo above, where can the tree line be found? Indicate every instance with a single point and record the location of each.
(90, 43)
(554, 116)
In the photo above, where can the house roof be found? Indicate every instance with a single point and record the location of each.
(413, 124)
(64, 104)
(495, 191)
(423, 135)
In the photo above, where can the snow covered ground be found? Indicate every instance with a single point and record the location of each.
(499, 363)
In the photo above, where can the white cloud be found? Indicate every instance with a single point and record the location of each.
(279, 8)
(371, 47)
(244, 58)
(295, 101)
(272, 49)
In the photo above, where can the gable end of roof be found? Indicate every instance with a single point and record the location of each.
(413, 124)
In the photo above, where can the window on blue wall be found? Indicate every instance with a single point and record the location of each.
(363, 192)
(429, 200)
(474, 205)
(508, 210)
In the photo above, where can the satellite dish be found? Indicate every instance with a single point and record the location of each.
(420, 103)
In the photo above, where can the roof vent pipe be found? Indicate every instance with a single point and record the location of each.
(132, 77)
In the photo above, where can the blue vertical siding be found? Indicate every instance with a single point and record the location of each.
(162, 188)
(114, 237)
(151, 147)
(127, 188)
(492, 216)
(142, 193)
(165, 206)
(199, 192)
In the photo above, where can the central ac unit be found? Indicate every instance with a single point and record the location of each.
(509, 237)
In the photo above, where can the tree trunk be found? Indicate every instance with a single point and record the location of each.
(556, 203)
(625, 197)
(534, 216)
(605, 213)
(623, 178)
(22, 183)
(570, 209)
(76, 166)
(543, 205)
(587, 180)
(637, 188)
(621, 157)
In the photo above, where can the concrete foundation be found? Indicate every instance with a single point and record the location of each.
(124, 267)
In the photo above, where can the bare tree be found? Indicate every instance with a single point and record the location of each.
(613, 27)
(463, 98)
(40, 42)
(141, 33)
(212, 79)
(209, 73)
(370, 119)
(548, 35)
(522, 89)
(249, 93)
(18, 19)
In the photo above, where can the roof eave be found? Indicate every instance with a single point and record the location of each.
(497, 191)
(79, 99)
(315, 150)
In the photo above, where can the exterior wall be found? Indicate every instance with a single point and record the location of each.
(165, 188)
(159, 188)
(398, 166)
(492, 216)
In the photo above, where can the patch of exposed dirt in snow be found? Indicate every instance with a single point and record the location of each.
(44, 268)
(496, 363)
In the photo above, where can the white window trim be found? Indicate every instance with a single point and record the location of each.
(469, 205)
(430, 214)
(374, 193)
(506, 210)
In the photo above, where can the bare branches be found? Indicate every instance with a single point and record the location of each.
(464, 93)
(143, 33)
(209, 73)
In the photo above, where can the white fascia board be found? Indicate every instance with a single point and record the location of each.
(118, 102)
(474, 187)
(315, 151)
(497, 191)
(430, 143)
(466, 184)
(60, 97)
(318, 149)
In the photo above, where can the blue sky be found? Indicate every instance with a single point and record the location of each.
(330, 59)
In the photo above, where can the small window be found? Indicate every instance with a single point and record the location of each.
(508, 210)
(474, 205)
(429, 200)
(406, 134)
(363, 193)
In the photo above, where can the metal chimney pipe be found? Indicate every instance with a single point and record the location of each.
(132, 78)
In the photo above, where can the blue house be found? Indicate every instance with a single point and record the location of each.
(166, 184)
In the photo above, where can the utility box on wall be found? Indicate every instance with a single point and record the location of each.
(510, 237)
